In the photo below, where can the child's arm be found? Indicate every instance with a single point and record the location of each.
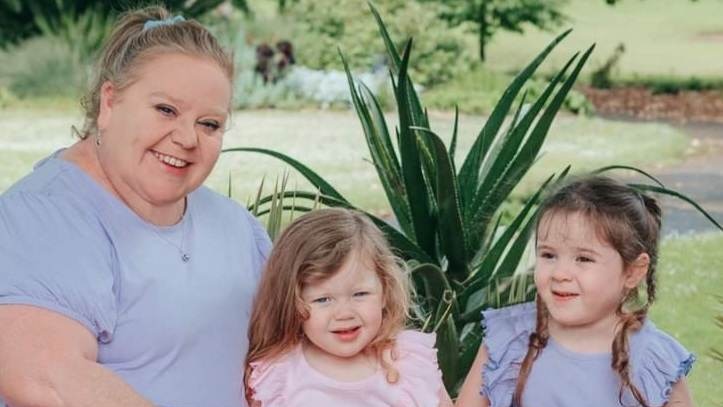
(469, 395)
(444, 400)
(680, 395)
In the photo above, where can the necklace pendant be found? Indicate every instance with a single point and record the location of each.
(185, 257)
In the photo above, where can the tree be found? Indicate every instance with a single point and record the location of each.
(489, 16)
(84, 20)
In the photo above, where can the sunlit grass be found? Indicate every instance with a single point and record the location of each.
(661, 37)
(689, 280)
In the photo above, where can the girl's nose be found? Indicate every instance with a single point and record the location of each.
(344, 310)
(561, 272)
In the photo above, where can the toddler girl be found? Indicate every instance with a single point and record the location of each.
(331, 303)
(586, 340)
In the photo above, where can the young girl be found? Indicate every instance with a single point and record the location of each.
(329, 314)
(586, 340)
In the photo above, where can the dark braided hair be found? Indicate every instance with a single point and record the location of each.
(630, 222)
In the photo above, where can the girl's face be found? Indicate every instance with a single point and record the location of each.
(580, 278)
(345, 311)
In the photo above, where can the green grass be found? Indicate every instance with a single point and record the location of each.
(661, 37)
(332, 144)
(689, 279)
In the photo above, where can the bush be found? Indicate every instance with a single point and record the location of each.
(477, 91)
(42, 67)
(321, 26)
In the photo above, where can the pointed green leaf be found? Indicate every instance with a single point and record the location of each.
(469, 173)
(318, 182)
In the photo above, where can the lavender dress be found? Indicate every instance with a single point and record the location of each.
(560, 377)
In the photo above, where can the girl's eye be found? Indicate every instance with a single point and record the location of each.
(547, 255)
(165, 110)
(321, 300)
(361, 293)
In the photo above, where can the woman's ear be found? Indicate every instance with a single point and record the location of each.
(107, 92)
(637, 270)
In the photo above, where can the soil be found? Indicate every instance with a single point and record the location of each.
(642, 103)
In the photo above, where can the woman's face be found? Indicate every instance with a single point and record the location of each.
(161, 135)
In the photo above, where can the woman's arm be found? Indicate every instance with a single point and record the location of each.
(49, 360)
(469, 395)
(680, 395)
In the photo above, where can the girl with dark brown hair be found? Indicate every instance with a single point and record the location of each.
(586, 340)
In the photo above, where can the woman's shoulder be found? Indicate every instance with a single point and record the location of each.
(658, 362)
(506, 337)
(420, 379)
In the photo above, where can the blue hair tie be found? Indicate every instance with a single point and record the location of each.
(151, 24)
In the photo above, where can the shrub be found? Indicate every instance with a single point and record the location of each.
(322, 26)
(41, 67)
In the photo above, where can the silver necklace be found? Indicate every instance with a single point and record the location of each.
(185, 255)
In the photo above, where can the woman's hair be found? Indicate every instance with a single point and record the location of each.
(132, 43)
(630, 222)
(310, 250)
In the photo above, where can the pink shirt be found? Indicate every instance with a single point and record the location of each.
(291, 382)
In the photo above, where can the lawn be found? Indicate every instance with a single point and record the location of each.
(689, 280)
(661, 37)
(332, 143)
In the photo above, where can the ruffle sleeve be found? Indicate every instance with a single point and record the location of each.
(420, 379)
(268, 382)
(507, 332)
(662, 361)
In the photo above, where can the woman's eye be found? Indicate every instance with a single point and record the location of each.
(213, 126)
(165, 110)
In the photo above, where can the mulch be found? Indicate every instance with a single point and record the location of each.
(643, 104)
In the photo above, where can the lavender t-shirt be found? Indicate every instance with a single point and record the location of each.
(563, 378)
(174, 328)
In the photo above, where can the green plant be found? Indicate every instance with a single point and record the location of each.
(602, 76)
(322, 25)
(449, 227)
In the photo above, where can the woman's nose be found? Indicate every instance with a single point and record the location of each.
(185, 135)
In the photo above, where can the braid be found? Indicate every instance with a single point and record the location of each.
(538, 340)
(630, 322)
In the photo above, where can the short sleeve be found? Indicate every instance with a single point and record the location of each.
(54, 256)
(507, 332)
(419, 376)
(266, 382)
(659, 362)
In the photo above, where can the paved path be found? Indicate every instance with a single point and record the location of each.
(700, 177)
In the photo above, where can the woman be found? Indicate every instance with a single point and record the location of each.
(121, 277)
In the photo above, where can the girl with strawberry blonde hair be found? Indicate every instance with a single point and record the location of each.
(329, 313)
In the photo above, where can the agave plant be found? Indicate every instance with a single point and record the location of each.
(449, 221)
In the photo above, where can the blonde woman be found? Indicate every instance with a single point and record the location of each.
(123, 281)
